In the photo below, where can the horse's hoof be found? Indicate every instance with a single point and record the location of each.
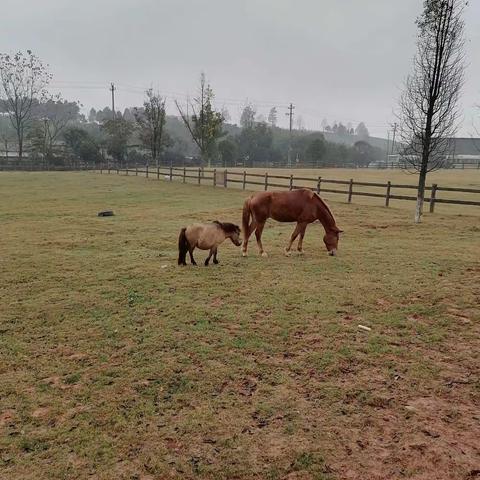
(301, 252)
(216, 262)
(244, 254)
(287, 253)
(264, 254)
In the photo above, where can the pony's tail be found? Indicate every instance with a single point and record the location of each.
(246, 218)
(182, 247)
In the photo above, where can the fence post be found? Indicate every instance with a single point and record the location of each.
(214, 177)
(171, 173)
(184, 174)
(266, 181)
(101, 169)
(350, 191)
(126, 169)
(136, 170)
(387, 196)
(158, 172)
(147, 170)
(319, 182)
(118, 170)
(199, 175)
(244, 179)
(291, 182)
(225, 173)
(433, 195)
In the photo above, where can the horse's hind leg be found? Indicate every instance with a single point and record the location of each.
(292, 239)
(207, 260)
(215, 261)
(190, 251)
(258, 234)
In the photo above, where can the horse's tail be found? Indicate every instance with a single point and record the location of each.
(182, 247)
(246, 218)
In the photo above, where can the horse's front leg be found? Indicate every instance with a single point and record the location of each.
(246, 236)
(215, 261)
(258, 234)
(292, 239)
(303, 227)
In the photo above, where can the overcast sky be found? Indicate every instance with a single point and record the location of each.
(343, 60)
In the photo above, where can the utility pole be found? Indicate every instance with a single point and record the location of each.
(290, 114)
(388, 147)
(112, 89)
(394, 132)
(45, 130)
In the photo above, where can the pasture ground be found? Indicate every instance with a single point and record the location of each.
(117, 364)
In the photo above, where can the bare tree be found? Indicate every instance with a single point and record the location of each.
(226, 115)
(50, 118)
(205, 124)
(247, 118)
(151, 120)
(428, 114)
(300, 123)
(273, 117)
(23, 79)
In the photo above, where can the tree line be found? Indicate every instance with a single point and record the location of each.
(49, 129)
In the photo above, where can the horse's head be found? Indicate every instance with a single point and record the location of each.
(232, 232)
(330, 239)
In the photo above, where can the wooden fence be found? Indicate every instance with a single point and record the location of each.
(225, 178)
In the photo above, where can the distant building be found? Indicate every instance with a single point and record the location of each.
(463, 153)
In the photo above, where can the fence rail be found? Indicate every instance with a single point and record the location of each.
(223, 177)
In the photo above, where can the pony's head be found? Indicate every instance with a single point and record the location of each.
(231, 231)
(330, 239)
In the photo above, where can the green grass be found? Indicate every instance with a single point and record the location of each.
(116, 363)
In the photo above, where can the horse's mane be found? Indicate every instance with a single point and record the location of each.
(327, 208)
(227, 227)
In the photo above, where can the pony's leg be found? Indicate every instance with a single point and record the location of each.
(246, 236)
(191, 257)
(303, 227)
(292, 239)
(207, 260)
(215, 261)
(258, 234)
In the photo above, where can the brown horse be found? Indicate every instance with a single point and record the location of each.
(205, 237)
(302, 206)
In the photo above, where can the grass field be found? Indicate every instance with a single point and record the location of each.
(117, 364)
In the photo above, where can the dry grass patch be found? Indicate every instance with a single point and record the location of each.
(116, 363)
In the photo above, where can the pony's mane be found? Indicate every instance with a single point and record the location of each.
(327, 208)
(227, 227)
